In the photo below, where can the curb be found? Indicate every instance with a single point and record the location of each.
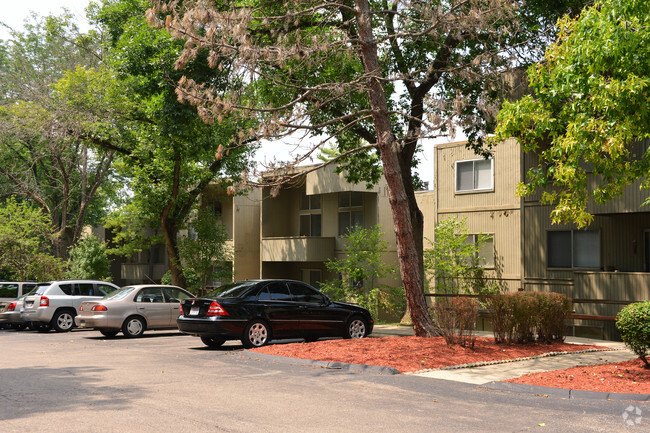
(505, 361)
(545, 391)
(331, 365)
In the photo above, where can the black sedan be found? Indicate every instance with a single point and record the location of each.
(259, 311)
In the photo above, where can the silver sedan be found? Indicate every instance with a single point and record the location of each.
(132, 309)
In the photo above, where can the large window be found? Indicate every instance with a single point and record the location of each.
(486, 250)
(350, 211)
(474, 175)
(311, 276)
(310, 215)
(573, 249)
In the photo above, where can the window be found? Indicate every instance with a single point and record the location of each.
(486, 250)
(350, 211)
(311, 276)
(302, 293)
(174, 295)
(310, 215)
(475, 175)
(85, 289)
(276, 291)
(150, 295)
(9, 291)
(573, 249)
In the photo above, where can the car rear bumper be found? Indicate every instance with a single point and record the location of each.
(95, 322)
(230, 329)
(11, 317)
(38, 315)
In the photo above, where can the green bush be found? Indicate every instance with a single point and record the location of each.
(633, 322)
(524, 317)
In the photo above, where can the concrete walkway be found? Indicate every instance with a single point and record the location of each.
(511, 369)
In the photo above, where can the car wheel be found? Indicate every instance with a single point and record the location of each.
(356, 328)
(133, 327)
(256, 334)
(213, 342)
(63, 321)
(108, 333)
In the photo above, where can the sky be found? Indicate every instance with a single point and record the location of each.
(16, 11)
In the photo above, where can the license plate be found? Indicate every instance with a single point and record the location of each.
(194, 311)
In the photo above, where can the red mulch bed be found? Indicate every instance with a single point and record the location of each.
(409, 354)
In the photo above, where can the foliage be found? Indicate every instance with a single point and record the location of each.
(206, 251)
(588, 111)
(25, 243)
(633, 322)
(377, 77)
(192, 280)
(45, 159)
(456, 318)
(361, 268)
(453, 262)
(523, 317)
(89, 260)
(166, 153)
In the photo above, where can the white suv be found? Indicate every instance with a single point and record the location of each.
(55, 304)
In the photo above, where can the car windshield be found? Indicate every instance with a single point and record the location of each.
(232, 290)
(118, 295)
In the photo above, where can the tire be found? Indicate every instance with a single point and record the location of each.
(19, 326)
(109, 333)
(256, 334)
(41, 327)
(63, 321)
(213, 342)
(356, 328)
(133, 327)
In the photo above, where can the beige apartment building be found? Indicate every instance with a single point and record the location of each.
(601, 267)
(302, 226)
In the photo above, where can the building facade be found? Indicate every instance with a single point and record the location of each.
(602, 267)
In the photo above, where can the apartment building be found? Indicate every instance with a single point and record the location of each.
(303, 225)
(602, 267)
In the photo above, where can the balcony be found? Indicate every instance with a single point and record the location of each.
(298, 249)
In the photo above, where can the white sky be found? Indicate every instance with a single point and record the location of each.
(14, 12)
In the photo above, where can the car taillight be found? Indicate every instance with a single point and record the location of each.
(11, 306)
(216, 310)
(45, 301)
(98, 308)
(180, 310)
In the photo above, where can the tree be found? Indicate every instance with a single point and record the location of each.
(378, 76)
(44, 159)
(129, 106)
(588, 111)
(205, 249)
(360, 269)
(453, 261)
(25, 243)
(89, 260)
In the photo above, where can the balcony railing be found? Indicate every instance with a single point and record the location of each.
(298, 249)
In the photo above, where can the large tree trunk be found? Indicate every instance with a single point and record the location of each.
(170, 232)
(407, 218)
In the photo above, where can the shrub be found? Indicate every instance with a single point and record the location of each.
(633, 322)
(456, 319)
(554, 309)
(524, 317)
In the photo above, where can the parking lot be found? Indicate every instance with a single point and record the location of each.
(168, 382)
